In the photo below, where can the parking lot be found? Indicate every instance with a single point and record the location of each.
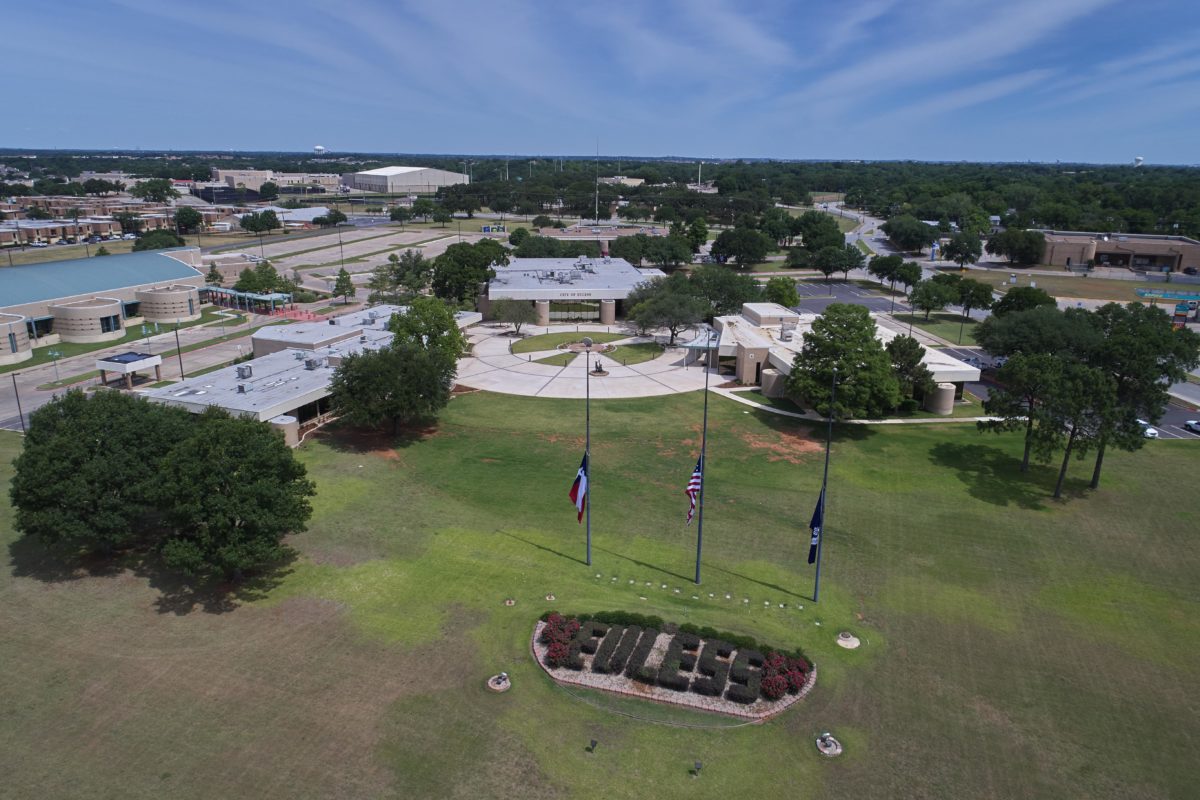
(815, 296)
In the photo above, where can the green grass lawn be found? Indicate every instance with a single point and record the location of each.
(558, 359)
(1014, 646)
(636, 353)
(41, 355)
(942, 323)
(864, 247)
(1067, 285)
(782, 403)
(549, 341)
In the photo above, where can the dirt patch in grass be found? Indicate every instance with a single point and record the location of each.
(783, 446)
(556, 438)
(460, 389)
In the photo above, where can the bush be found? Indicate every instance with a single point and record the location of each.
(557, 654)
(773, 687)
(907, 406)
(742, 694)
(632, 636)
(637, 660)
(303, 296)
(687, 662)
(605, 651)
(588, 635)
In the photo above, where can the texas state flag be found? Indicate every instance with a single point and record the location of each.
(580, 487)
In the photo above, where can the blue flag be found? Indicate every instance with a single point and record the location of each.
(817, 519)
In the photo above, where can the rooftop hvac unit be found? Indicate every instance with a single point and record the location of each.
(372, 315)
(310, 363)
(333, 322)
(363, 338)
(244, 372)
(241, 388)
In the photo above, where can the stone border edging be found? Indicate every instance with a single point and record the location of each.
(774, 710)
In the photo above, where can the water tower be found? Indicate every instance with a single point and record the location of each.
(319, 150)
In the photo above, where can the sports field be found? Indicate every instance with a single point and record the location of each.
(1014, 646)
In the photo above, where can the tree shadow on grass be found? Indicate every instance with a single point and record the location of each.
(180, 595)
(347, 439)
(543, 547)
(30, 558)
(994, 476)
(764, 584)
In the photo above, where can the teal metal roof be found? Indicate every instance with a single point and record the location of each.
(51, 280)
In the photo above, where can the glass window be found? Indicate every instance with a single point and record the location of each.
(12, 341)
(110, 324)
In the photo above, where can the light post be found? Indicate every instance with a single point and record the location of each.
(54, 356)
(587, 438)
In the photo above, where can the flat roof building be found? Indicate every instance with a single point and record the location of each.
(391, 180)
(1135, 251)
(94, 299)
(567, 288)
(764, 339)
(287, 381)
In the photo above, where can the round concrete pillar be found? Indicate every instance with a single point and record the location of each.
(290, 427)
(543, 311)
(608, 312)
(941, 399)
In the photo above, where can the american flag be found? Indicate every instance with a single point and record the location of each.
(693, 488)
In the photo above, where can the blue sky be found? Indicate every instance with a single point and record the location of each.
(1072, 80)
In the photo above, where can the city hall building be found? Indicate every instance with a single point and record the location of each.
(95, 299)
(567, 289)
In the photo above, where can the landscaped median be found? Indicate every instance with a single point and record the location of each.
(641, 656)
(550, 341)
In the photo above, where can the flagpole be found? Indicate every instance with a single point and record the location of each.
(587, 441)
(825, 482)
(703, 461)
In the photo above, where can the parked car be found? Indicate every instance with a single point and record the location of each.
(999, 361)
(1192, 425)
(61, 241)
(1148, 430)
(93, 239)
(1189, 271)
(129, 236)
(39, 244)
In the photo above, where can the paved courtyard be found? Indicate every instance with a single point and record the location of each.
(494, 368)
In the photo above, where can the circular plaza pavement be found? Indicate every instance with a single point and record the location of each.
(493, 368)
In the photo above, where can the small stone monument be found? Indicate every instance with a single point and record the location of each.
(827, 745)
(499, 683)
(848, 640)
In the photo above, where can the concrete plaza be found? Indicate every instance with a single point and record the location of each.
(493, 367)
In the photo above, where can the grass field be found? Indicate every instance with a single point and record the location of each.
(558, 359)
(1068, 286)
(549, 341)
(1014, 646)
(636, 353)
(942, 323)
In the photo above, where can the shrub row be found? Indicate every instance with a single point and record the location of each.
(745, 676)
(713, 673)
(605, 651)
(589, 635)
(636, 668)
(632, 636)
(669, 675)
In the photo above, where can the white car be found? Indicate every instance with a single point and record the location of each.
(129, 236)
(1192, 425)
(1148, 430)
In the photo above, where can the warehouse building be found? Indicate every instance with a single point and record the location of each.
(1135, 251)
(95, 299)
(562, 289)
(394, 180)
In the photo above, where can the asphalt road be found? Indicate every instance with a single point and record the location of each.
(816, 294)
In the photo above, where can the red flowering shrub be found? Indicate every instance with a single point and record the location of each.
(799, 664)
(557, 654)
(553, 623)
(795, 679)
(774, 686)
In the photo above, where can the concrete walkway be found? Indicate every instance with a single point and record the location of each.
(735, 395)
(493, 368)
